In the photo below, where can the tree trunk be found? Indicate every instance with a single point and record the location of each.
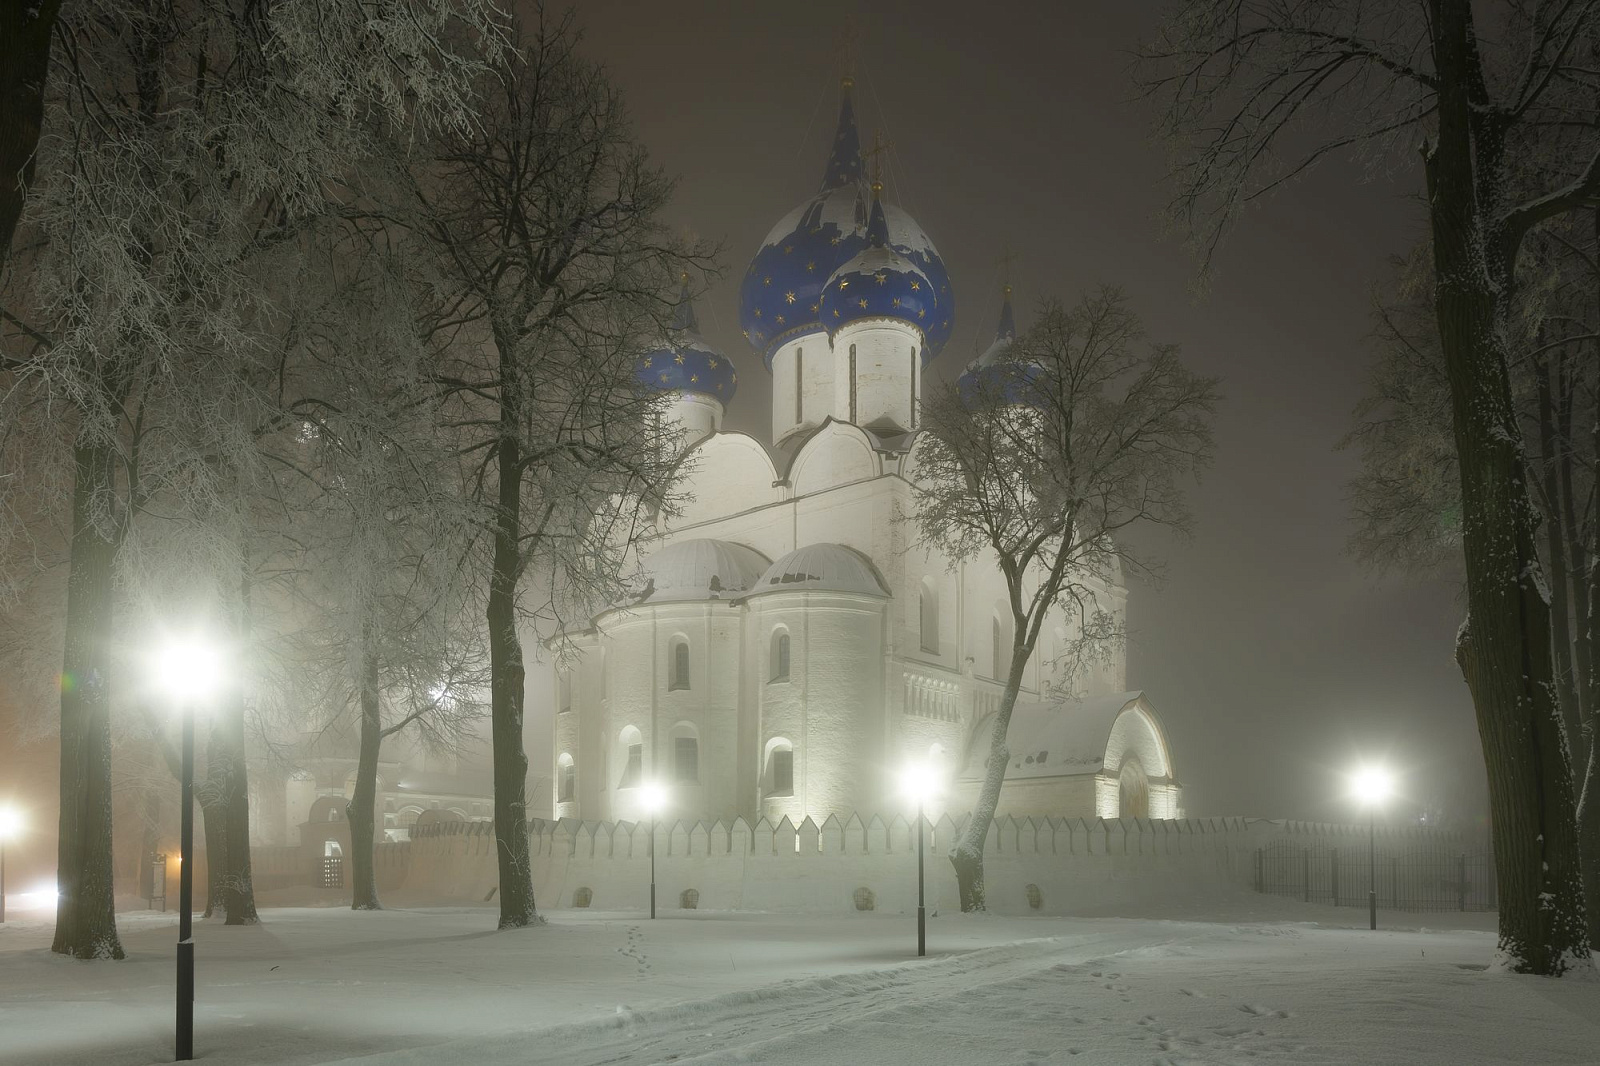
(506, 674)
(26, 30)
(237, 882)
(213, 824)
(967, 855)
(1551, 454)
(86, 922)
(1504, 649)
(361, 810)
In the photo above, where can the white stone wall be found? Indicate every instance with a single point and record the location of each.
(807, 364)
(881, 392)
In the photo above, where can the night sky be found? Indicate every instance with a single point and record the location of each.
(1276, 659)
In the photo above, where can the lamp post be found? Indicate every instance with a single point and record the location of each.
(188, 671)
(1371, 785)
(919, 783)
(654, 798)
(10, 826)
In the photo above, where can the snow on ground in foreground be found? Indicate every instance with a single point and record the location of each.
(1263, 981)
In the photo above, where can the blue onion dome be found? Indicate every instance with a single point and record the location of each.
(684, 361)
(997, 371)
(878, 283)
(780, 297)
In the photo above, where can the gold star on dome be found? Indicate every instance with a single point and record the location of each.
(880, 278)
(719, 386)
(834, 241)
(647, 362)
(944, 324)
(712, 363)
(863, 303)
(921, 312)
(693, 378)
(735, 379)
(811, 265)
(844, 283)
(780, 320)
(746, 333)
(788, 297)
(788, 248)
(758, 312)
(897, 301)
(678, 359)
(815, 308)
(835, 312)
(915, 285)
(663, 377)
(767, 280)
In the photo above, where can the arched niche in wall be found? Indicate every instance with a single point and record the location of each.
(777, 768)
(724, 474)
(836, 454)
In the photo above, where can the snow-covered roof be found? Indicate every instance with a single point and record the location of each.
(823, 568)
(699, 569)
(1061, 738)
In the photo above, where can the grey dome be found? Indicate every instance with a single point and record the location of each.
(823, 568)
(698, 569)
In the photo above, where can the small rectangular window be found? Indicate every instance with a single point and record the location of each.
(783, 773)
(686, 759)
(634, 770)
(680, 667)
(569, 783)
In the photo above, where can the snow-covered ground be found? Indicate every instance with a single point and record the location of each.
(1240, 979)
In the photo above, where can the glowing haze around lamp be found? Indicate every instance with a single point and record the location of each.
(919, 782)
(1370, 786)
(10, 827)
(188, 669)
(654, 797)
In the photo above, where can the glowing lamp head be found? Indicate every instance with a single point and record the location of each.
(654, 797)
(919, 782)
(1371, 785)
(188, 668)
(10, 823)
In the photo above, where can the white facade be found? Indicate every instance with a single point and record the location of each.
(789, 651)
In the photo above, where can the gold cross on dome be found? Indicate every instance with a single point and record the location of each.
(879, 146)
(1003, 264)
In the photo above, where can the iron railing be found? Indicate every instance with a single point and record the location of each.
(1413, 876)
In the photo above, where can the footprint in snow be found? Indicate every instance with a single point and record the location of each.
(1264, 1012)
(1193, 992)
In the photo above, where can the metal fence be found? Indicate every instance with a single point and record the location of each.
(332, 872)
(1415, 876)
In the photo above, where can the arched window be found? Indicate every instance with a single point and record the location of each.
(778, 656)
(780, 767)
(567, 779)
(678, 671)
(928, 615)
(685, 754)
(633, 763)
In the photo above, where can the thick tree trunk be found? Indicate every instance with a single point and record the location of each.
(506, 674)
(967, 855)
(26, 30)
(361, 810)
(213, 826)
(1504, 650)
(86, 923)
(237, 882)
(1551, 455)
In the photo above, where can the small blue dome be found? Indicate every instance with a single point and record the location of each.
(995, 372)
(879, 283)
(684, 361)
(780, 297)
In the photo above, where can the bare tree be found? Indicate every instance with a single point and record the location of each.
(1255, 92)
(546, 218)
(181, 143)
(1044, 463)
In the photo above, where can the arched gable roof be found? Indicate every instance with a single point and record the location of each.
(835, 453)
(1081, 737)
(724, 474)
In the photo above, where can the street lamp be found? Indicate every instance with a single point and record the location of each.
(919, 782)
(10, 826)
(1370, 786)
(654, 798)
(189, 670)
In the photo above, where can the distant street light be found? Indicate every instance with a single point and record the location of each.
(190, 671)
(10, 826)
(654, 798)
(1370, 786)
(920, 783)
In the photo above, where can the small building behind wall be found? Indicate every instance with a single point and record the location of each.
(1104, 756)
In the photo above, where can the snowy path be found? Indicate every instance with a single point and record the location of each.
(438, 986)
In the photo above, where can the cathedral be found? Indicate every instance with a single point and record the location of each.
(788, 646)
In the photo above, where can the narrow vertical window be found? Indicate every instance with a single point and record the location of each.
(799, 385)
(915, 363)
(928, 616)
(634, 769)
(569, 780)
(852, 383)
(566, 691)
(686, 759)
(678, 672)
(783, 772)
(779, 656)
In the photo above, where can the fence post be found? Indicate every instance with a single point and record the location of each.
(1260, 886)
(1333, 872)
(1461, 880)
(1305, 854)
